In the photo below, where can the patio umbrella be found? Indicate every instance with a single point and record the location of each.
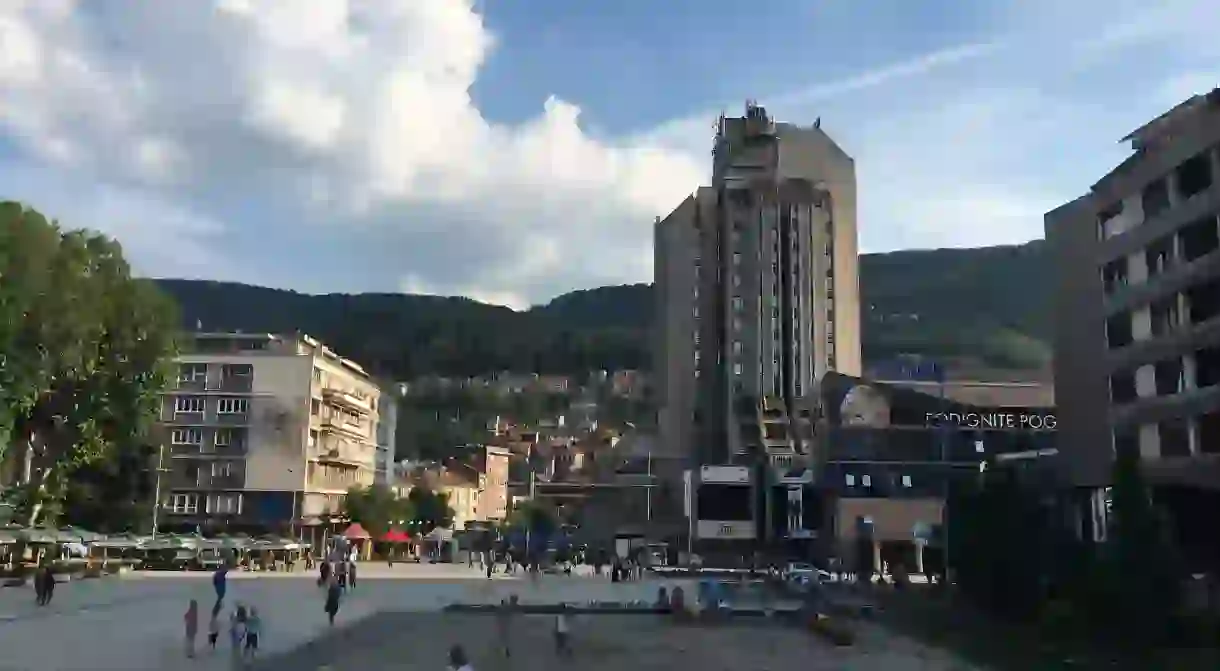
(36, 535)
(355, 532)
(80, 535)
(9, 533)
(396, 536)
(119, 542)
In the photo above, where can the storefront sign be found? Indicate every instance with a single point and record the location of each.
(992, 420)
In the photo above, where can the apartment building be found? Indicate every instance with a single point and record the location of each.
(387, 432)
(757, 289)
(1137, 306)
(265, 432)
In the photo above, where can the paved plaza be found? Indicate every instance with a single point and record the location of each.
(391, 620)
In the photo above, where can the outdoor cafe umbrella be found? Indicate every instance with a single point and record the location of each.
(355, 532)
(43, 536)
(396, 536)
(9, 533)
(79, 535)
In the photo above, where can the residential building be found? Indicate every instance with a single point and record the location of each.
(492, 464)
(1137, 314)
(265, 432)
(756, 286)
(387, 431)
(461, 486)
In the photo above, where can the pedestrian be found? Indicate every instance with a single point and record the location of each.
(48, 584)
(341, 573)
(351, 575)
(40, 587)
(237, 630)
(323, 573)
(213, 631)
(254, 630)
(458, 660)
(220, 585)
(508, 610)
(191, 625)
(563, 631)
(334, 592)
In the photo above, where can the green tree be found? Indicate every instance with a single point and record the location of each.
(85, 351)
(535, 517)
(1139, 574)
(430, 510)
(376, 508)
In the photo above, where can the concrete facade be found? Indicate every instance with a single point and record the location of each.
(1137, 303)
(264, 431)
(757, 286)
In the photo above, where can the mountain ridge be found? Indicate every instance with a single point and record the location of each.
(976, 308)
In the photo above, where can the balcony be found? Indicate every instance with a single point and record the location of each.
(347, 399)
(342, 457)
(336, 425)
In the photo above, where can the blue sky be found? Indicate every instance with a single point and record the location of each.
(511, 151)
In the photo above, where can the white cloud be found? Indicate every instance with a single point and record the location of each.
(334, 145)
(344, 123)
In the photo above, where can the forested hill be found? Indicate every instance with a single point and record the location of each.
(975, 308)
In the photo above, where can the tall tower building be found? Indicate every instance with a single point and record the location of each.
(757, 291)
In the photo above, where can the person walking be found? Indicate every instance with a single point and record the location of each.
(458, 661)
(254, 630)
(237, 631)
(351, 574)
(191, 625)
(563, 632)
(213, 631)
(334, 593)
(220, 586)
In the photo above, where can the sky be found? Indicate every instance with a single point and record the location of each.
(511, 151)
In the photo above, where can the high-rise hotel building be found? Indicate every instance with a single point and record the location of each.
(757, 292)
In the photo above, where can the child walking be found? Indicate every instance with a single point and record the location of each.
(254, 629)
(191, 623)
(237, 630)
(213, 631)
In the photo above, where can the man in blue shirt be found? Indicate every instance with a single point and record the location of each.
(219, 583)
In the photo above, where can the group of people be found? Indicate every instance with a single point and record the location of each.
(245, 630)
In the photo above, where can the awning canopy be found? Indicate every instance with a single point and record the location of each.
(355, 532)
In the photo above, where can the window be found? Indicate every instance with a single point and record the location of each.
(192, 372)
(224, 504)
(1194, 175)
(222, 469)
(737, 347)
(188, 404)
(315, 407)
(906, 481)
(1122, 388)
(1155, 198)
(737, 369)
(850, 480)
(232, 406)
(224, 437)
(736, 280)
(737, 303)
(313, 438)
(866, 480)
(737, 258)
(238, 370)
(1118, 330)
(186, 437)
(184, 503)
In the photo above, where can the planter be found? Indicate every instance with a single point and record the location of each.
(832, 630)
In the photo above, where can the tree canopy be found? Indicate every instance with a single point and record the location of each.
(85, 351)
(430, 510)
(377, 508)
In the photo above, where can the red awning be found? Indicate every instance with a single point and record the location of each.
(356, 533)
(396, 536)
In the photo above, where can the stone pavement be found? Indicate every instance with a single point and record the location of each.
(135, 623)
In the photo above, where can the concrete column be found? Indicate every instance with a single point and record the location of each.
(877, 566)
(919, 546)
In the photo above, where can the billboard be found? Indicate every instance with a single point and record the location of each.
(724, 530)
(724, 475)
(721, 503)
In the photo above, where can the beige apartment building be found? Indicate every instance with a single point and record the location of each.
(757, 290)
(265, 432)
